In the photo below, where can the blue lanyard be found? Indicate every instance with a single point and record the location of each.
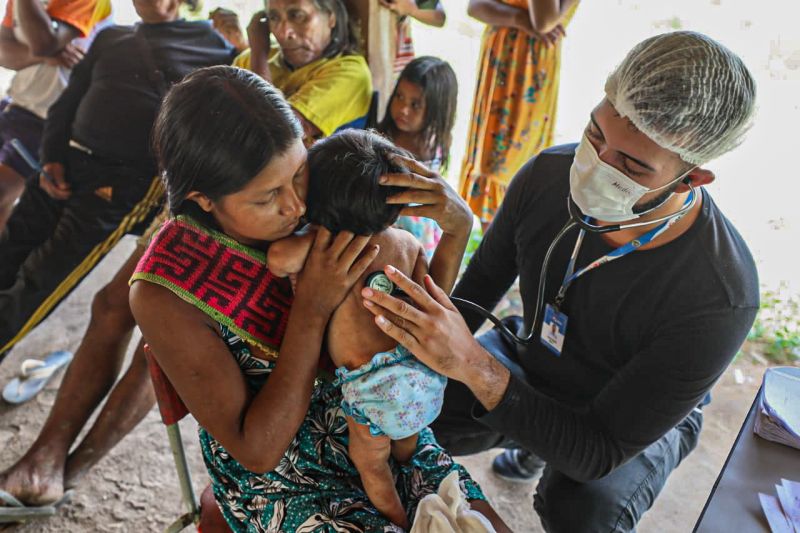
(570, 276)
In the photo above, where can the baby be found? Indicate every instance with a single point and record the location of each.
(387, 393)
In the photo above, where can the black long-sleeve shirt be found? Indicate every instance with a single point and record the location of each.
(110, 103)
(647, 336)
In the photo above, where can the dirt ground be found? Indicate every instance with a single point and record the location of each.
(135, 488)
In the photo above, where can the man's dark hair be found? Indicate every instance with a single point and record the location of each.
(217, 129)
(343, 189)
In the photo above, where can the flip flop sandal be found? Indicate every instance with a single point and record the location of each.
(16, 511)
(33, 376)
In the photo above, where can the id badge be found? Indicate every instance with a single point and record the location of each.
(554, 328)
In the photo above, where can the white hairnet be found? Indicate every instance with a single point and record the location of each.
(686, 92)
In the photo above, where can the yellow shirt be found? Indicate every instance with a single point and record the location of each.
(329, 92)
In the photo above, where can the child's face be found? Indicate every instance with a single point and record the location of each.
(269, 207)
(408, 107)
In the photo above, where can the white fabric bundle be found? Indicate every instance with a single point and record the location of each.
(686, 92)
(449, 512)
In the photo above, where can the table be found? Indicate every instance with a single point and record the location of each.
(753, 465)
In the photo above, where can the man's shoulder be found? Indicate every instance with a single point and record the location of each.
(728, 255)
(544, 176)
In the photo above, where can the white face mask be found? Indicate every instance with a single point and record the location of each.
(603, 192)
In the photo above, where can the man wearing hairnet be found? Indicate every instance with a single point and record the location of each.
(645, 299)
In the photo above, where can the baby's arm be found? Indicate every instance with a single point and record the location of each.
(287, 256)
(446, 261)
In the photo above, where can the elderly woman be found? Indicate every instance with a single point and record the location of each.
(241, 348)
(325, 80)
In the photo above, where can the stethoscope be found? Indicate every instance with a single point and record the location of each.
(577, 219)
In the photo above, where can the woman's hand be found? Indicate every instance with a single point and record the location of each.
(332, 268)
(438, 200)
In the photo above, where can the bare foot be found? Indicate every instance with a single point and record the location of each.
(35, 480)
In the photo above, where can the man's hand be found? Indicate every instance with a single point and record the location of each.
(258, 37)
(435, 332)
(60, 190)
(436, 198)
(433, 329)
(68, 57)
(226, 22)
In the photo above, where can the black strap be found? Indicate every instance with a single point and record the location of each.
(154, 74)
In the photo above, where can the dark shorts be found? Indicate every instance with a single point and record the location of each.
(18, 123)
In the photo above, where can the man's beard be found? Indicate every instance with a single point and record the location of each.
(655, 202)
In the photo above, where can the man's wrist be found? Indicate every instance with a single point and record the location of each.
(486, 377)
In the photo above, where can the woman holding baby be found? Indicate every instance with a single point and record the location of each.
(240, 347)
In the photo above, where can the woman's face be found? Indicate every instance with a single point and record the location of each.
(303, 31)
(269, 207)
(408, 107)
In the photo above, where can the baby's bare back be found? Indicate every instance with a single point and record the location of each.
(353, 336)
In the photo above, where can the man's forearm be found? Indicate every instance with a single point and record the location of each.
(16, 56)
(486, 377)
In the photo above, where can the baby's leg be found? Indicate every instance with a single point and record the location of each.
(370, 455)
(403, 449)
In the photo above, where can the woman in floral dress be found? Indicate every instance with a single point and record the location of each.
(513, 114)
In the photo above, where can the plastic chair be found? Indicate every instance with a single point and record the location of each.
(207, 517)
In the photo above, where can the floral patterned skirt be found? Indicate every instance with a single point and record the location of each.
(315, 487)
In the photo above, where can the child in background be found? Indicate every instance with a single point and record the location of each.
(388, 394)
(419, 118)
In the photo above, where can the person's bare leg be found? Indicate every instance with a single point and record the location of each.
(38, 477)
(11, 187)
(488, 511)
(129, 402)
(370, 455)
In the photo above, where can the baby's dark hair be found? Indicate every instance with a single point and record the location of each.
(343, 189)
(440, 90)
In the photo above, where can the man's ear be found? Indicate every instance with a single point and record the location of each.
(697, 178)
(205, 203)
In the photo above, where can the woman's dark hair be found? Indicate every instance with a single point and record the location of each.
(440, 91)
(343, 36)
(217, 129)
(343, 189)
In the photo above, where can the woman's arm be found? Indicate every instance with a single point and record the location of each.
(496, 13)
(256, 430)
(541, 17)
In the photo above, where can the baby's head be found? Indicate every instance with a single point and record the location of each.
(343, 189)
